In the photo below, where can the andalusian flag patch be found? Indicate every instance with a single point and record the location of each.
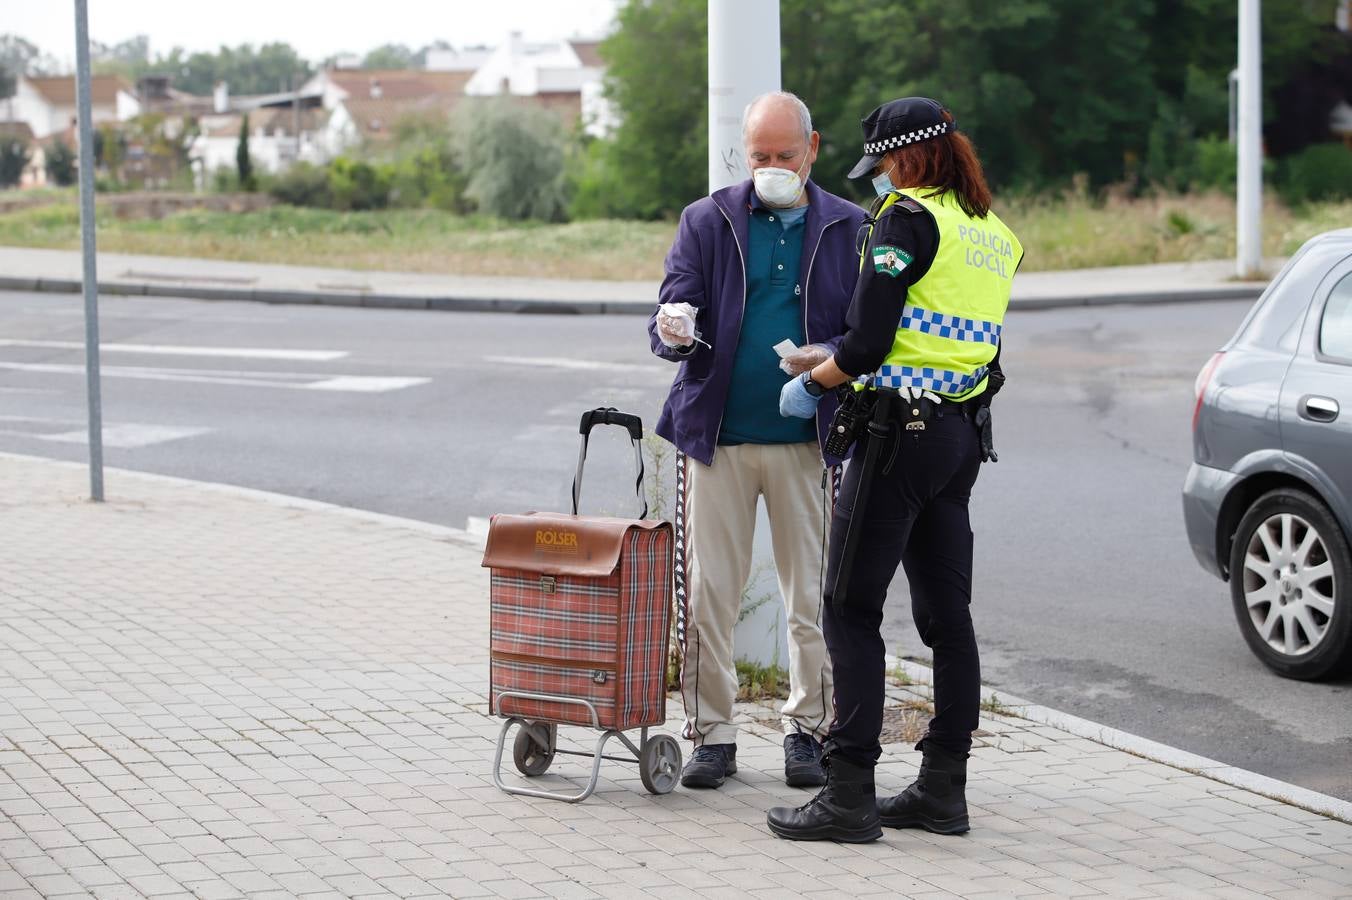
(890, 260)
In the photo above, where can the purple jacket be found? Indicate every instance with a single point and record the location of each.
(706, 268)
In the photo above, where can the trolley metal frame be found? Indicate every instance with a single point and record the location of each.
(661, 766)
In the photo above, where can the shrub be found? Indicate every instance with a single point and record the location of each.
(427, 176)
(1214, 165)
(358, 185)
(61, 169)
(13, 158)
(303, 185)
(1320, 172)
(515, 156)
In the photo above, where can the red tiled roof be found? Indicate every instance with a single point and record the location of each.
(60, 91)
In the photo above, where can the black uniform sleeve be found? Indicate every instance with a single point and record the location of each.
(880, 292)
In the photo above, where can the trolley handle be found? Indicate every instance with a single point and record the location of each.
(608, 415)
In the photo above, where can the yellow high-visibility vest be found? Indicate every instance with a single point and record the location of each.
(950, 326)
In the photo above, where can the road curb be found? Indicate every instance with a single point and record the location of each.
(1281, 791)
(445, 303)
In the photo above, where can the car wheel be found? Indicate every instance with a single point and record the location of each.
(1291, 585)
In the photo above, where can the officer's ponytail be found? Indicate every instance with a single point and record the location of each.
(948, 163)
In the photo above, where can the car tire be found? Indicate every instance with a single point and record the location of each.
(1292, 592)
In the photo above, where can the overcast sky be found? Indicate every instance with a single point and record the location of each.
(316, 28)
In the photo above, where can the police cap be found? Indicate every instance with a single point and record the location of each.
(898, 123)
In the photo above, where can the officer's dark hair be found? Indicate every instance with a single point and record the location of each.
(949, 163)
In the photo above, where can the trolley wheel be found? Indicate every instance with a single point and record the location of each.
(660, 764)
(531, 756)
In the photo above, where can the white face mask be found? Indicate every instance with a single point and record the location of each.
(779, 187)
(882, 184)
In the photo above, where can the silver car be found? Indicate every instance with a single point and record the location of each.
(1268, 500)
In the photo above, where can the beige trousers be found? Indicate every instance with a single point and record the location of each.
(715, 524)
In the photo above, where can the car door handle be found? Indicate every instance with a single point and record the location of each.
(1318, 409)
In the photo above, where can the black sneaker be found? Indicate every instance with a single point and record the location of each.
(709, 766)
(802, 760)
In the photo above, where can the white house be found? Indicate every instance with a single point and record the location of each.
(47, 105)
(272, 139)
(560, 74)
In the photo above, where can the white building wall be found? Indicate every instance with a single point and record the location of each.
(128, 107)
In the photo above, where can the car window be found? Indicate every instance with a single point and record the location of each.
(1335, 329)
(1275, 324)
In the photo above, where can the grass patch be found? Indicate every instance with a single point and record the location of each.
(993, 705)
(758, 682)
(1064, 232)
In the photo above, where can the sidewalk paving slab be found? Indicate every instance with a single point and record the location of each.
(30, 269)
(207, 691)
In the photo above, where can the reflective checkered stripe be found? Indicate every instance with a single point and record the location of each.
(940, 381)
(956, 328)
(600, 639)
(901, 140)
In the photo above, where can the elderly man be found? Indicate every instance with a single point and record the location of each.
(763, 261)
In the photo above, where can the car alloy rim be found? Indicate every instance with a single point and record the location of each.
(1288, 584)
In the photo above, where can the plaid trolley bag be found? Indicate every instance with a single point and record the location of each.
(581, 609)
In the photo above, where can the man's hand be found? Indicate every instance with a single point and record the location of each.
(795, 401)
(983, 424)
(676, 324)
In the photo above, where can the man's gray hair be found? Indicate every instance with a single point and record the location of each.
(804, 117)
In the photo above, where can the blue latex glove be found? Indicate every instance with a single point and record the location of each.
(794, 400)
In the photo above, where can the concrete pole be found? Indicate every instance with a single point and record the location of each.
(91, 285)
(1249, 140)
(743, 64)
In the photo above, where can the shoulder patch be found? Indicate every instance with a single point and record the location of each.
(889, 260)
(909, 205)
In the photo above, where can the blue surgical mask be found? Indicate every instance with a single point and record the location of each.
(882, 184)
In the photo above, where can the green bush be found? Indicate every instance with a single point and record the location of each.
(303, 185)
(427, 176)
(358, 185)
(13, 158)
(1320, 172)
(515, 157)
(61, 170)
(1214, 165)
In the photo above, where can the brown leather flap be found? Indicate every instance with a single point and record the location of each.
(558, 544)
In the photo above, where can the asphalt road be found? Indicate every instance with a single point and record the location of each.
(1087, 598)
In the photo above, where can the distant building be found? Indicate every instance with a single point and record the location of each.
(278, 137)
(47, 105)
(559, 75)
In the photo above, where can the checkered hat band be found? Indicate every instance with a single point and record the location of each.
(902, 140)
(941, 381)
(927, 321)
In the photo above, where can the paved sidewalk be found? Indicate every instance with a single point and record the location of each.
(204, 691)
(60, 270)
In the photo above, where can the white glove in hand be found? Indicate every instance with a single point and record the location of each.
(676, 324)
(915, 393)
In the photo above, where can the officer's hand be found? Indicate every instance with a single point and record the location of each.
(983, 424)
(795, 401)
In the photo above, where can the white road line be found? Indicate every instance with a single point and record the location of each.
(560, 362)
(177, 350)
(128, 435)
(294, 380)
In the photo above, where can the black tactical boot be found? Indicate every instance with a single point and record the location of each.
(845, 810)
(802, 759)
(936, 801)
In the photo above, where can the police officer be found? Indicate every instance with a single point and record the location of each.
(936, 267)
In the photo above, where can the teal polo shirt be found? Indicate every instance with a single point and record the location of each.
(774, 311)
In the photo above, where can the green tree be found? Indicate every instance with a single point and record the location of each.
(243, 164)
(22, 57)
(389, 56)
(61, 168)
(657, 161)
(514, 154)
(247, 69)
(13, 157)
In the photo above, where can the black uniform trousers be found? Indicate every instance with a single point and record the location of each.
(915, 515)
